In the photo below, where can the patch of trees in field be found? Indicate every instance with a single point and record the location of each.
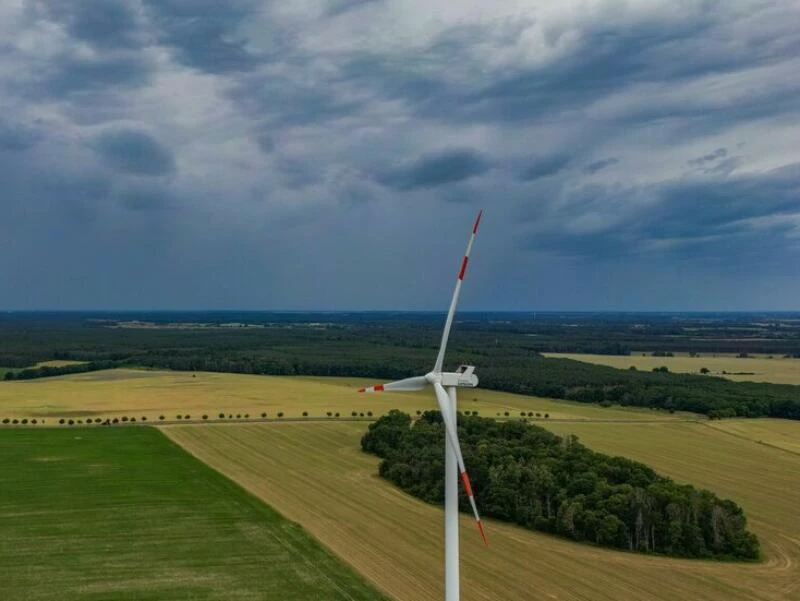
(45, 371)
(525, 474)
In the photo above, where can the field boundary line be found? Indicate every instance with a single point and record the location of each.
(751, 440)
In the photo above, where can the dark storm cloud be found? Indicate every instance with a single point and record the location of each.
(108, 27)
(545, 166)
(716, 163)
(709, 217)
(266, 142)
(16, 137)
(147, 199)
(101, 23)
(725, 167)
(71, 74)
(708, 158)
(593, 168)
(433, 170)
(297, 173)
(284, 101)
(134, 152)
(699, 208)
(315, 122)
(204, 33)
(338, 7)
(34, 196)
(609, 58)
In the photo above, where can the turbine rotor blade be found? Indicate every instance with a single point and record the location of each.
(454, 302)
(451, 431)
(406, 385)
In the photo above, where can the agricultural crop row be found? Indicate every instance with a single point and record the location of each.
(125, 515)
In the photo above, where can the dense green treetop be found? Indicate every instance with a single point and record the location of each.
(525, 474)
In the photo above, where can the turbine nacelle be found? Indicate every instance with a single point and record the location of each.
(463, 377)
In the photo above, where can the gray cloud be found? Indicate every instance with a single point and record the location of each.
(204, 34)
(16, 137)
(719, 153)
(283, 101)
(338, 7)
(147, 198)
(445, 167)
(709, 218)
(135, 152)
(607, 59)
(291, 126)
(72, 74)
(106, 24)
(545, 166)
(596, 166)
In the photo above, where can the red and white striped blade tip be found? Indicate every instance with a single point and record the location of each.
(483, 534)
(468, 490)
(376, 388)
(477, 222)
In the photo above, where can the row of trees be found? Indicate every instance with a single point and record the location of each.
(525, 474)
(45, 371)
(506, 355)
(180, 417)
(535, 375)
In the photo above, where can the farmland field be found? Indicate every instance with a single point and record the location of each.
(133, 392)
(315, 474)
(755, 369)
(779, 433)
(124, 514)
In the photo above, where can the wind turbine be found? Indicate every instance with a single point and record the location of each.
(445, 385)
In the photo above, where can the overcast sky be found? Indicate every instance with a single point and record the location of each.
(332, 154)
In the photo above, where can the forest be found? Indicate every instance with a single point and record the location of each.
(525, 474)
(504, 347)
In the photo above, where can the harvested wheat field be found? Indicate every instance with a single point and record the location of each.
(137, 393)
(316, 474)
(781, 433)
(754, 369)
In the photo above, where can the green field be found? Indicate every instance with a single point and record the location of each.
(124, 514)
(316, 475)
(755, 369)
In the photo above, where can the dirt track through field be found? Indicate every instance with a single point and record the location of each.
(316, 475)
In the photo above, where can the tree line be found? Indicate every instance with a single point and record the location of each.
(507, 360)
(525, 474)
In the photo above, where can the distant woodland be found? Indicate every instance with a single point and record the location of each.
(504, 347)
(524, 474)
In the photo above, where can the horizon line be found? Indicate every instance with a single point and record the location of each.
(408, 311)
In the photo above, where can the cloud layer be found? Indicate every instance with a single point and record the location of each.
(331, 154)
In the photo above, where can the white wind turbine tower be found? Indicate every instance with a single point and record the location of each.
(445, 385)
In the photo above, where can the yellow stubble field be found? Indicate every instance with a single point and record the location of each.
(755, 369)
(316, 475)
(133, 392)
